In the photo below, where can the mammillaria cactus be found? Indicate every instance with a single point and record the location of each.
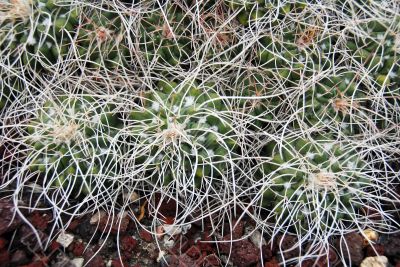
(70, 138)
(181, 131)
(40, 32)
(376, 45)
(163, 34)
(337, 102)
(316, 179)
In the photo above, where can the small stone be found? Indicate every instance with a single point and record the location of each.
(8, 221)
(65, 239)
(146, 236)
(4, 258)
(97, 217)
(354, 244)
(77, 248)
(172, 230)
(116, 263)
(128, 244)
(161, 255)
(377, 261)
(257, 239)
(19, 258)
(375, 250)
(3, 243)
(271, 263)
(97, 261)
(168, 242)
(78, 262)
(211, 260)
(40, 221)
(244, 253)
(370, 236)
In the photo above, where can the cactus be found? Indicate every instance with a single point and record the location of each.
(42, 32)
(314, 178)
(255, 96)
(181, 131)
(338, 101)
(378, 51)
(10, 88)
(70, 138)
(165, 36)
(296, 49)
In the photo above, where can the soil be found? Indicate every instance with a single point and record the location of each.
(130, 245)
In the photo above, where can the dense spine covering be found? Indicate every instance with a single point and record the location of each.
(293, 119)
(314, 178)
(42, 32)
(181, 131)
(70, 136)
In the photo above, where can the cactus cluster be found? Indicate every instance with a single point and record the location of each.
(286, 110)
(179, 131)
(70, 136)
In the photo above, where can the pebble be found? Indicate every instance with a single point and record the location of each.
(65, 239)
(168, 242)
(97, 217)
(78, 262)
(161, 255)
(257, 239)
(377, 261)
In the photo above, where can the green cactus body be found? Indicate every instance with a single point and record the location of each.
(165, 38)
(335, 101)
(10, 88)
(101, 41)
(251, 11)
(256, 98)
(313, 179)
(379, 51)
(180, 131)
(43, 30)
(48, 32)
(296, 50)
(70, 138)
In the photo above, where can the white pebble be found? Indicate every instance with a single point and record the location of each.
(65, 239)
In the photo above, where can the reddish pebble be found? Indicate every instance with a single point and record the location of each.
(54, 245)
(271, 263)
(3, 243)
(146, 236)
(97, 261)
(117, 263)
(193, 252)
(4, 258)
(211, 260)
(40, 221)
(128, 243)
(375, 250)
(34, 264)
(78, 248)
(73, 225)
